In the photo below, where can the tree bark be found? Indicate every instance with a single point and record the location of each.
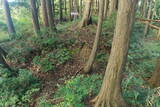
(53, 8)
(90, 61)
(110, 94)
(148, 17)
(70, 9)
(105, 8)
(81, 6)
(113, 7)
(50, 15)
(11, 29)
(60, 11)
(86, 20)
(65, 7)
(144, 8)
(35, 19)
(44, 13)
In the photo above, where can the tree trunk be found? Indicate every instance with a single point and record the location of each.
(65, 7)
(44, 13)
(9, 21)
(148, 17)
(113, 7)
(35, 19)
(81, 6)
(144, 8)
(105, 8)
(50, 15)
(86, 20)
(110, 94)
(75, 9)
(95, 45)
(70, 10)
(53, 8)
(60, 11)
(155, 80)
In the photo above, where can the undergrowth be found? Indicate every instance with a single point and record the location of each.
(75, 91)
(17, 91)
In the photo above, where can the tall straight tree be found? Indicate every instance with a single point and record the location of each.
(44, 13)
(106, 5)
(81, 6)
(50, 15)
(53, 7)
(87, 14)
(60, 10)
(144, 8)
(113, 7)
(9, 21)
(110, 94)
(148, 17)
(98, 33)
(35, 19)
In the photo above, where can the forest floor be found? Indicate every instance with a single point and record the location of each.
(84, 38)
(50, 80)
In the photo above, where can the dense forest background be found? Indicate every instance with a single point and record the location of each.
(79, 53)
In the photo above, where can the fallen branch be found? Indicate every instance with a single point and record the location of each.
(150, 25)
(148, 20)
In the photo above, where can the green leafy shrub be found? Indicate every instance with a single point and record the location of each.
(52, 59)
(77, 89)
(18, 91)
(45, 63)
(141, 62)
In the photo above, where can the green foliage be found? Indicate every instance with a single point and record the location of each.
(44, 63)
(141, 62)
(102, 57)
(110, 22)
(77, 89)
(52, 59)
(18, 91)
(134, 90)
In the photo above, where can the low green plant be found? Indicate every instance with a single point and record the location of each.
(77, 89)
(17, 91)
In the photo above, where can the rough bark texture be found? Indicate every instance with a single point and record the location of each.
(106, 5)
(155, 80)
(44, 13)
(112, 8)
(9, 21)
(110, 93)
(35, 19)
(95, 45)
(50, 15)
(148, 17)
(87, 14)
